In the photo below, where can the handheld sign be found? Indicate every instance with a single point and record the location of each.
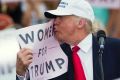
(49, 60)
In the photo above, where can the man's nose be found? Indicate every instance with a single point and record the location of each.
(57, 20)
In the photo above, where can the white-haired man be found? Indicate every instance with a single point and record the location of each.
(73, 28)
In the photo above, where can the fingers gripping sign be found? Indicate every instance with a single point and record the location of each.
(24, 58)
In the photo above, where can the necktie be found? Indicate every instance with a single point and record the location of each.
(78, 69)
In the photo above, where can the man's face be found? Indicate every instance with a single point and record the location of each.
(65, 27)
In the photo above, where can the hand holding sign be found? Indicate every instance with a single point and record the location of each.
(24, 58)
(47, 60)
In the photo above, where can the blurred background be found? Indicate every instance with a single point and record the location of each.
(16, 14)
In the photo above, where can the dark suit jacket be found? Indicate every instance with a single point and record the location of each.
(111, 61)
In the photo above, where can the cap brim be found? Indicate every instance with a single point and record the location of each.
(55, 13)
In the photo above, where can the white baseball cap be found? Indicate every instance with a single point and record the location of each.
(72, 7)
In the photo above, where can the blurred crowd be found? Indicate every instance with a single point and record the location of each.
(26, 12)
(23, 13)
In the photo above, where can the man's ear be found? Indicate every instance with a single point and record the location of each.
(82, 22)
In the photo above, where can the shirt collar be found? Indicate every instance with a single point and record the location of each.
(86, 43)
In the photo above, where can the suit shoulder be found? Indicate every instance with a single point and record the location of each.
(113, 45)
(113, 41)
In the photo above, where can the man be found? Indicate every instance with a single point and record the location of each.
(73, 27)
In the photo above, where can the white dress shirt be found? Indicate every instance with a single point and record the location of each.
(85, 54)
(23, 77)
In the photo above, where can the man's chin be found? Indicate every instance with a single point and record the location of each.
(58, 38)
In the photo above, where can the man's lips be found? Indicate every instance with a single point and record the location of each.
(54, 29)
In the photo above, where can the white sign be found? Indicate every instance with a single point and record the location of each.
(8, 51)
(106, 3)
(49, 60)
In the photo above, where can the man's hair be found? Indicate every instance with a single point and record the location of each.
(89, 26)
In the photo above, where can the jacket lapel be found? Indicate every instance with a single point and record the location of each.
(96, 66)
(66, 48)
